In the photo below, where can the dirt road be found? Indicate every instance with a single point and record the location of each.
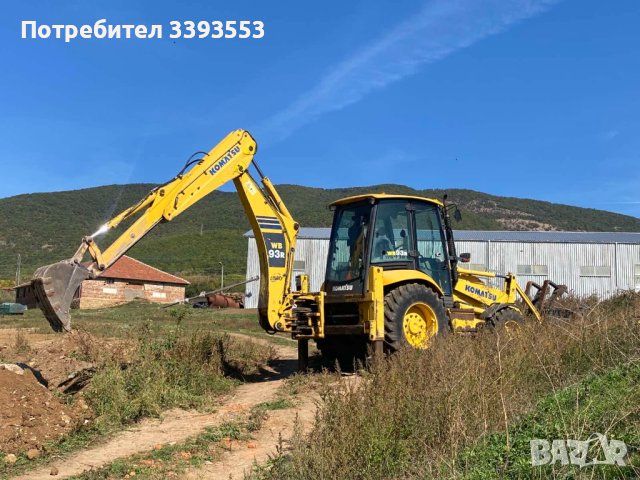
(278, 427)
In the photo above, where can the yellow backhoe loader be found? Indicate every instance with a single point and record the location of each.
(392, 278)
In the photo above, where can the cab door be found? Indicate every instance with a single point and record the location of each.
(431, 249)
(391, 239)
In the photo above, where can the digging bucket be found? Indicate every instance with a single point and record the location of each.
(53, 287)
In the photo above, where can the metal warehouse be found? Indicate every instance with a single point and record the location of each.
(600, 263)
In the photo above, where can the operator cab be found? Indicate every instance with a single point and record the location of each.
(394, 232)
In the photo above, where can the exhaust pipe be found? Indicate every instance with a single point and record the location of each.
(53, 289)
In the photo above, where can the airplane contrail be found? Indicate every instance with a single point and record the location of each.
(439, 29)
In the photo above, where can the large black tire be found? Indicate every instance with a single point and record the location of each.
(507, 318)
(397, 304)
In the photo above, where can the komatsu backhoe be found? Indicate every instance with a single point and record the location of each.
(392, 279)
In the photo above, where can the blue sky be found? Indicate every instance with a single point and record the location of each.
(536, 99)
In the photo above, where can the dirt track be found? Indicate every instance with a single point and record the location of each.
(178, 425)
(278, 426)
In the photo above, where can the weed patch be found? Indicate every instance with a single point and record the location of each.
(604, 403)
(180, 369)
(414, 414)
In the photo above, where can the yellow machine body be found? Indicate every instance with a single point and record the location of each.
(474, 300)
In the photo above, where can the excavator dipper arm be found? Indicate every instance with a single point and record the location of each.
(53, 286)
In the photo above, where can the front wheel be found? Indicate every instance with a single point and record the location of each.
(508, 319)
(413, 316)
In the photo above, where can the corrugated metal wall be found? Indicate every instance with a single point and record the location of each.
(563, 261)
(310, 251)
(628, 265)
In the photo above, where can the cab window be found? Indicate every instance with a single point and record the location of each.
(348, 242)
(391, 239)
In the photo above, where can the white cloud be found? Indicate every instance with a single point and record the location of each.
(440, 28)
(610, 134)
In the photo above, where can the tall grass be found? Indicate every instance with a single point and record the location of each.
(606, 403)
(415, 414)
(180, 369)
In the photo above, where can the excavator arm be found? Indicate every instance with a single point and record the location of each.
(53, 287)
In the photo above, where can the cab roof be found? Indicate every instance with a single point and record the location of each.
(385, 196)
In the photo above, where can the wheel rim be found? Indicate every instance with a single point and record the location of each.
(420, 325)
(512, 323)
(512, 326)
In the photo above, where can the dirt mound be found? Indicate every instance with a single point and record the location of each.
(63, 359)
(30, 415)
(62, 362)
(34, 370)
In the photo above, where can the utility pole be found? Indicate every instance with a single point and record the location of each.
(201, 228)
(18, 270)
(221, 274)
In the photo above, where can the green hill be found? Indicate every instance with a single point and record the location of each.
(46, 227)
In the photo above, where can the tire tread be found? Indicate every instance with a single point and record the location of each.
(397, 301)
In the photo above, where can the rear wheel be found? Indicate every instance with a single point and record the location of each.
(413, 316)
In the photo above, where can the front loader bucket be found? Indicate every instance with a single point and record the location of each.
(54, 288)
(545, 297)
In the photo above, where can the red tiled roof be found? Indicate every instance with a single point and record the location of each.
(127, 268)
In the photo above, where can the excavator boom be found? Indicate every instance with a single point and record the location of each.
(53, 287)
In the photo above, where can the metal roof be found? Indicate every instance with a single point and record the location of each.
(316, 233)
(507, 236)
(547, 237)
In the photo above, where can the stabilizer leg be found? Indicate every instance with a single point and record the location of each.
(303, 355)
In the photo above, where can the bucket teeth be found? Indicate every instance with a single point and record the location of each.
(58, 281)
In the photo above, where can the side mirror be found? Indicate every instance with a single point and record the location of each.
(465, 257)
(457, 215)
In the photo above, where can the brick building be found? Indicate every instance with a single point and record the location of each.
(129, 279)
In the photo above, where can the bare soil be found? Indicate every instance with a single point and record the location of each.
(33, 415)
(37, 367)
(56, 359)
(274, 435)
(30, 415)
